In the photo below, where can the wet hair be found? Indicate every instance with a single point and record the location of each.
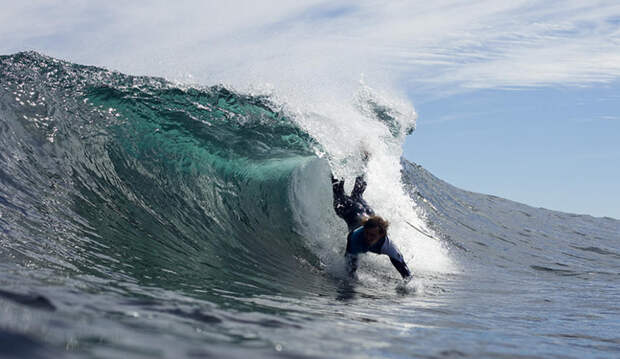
(376, 222)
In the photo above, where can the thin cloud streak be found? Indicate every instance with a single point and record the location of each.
(439, 47)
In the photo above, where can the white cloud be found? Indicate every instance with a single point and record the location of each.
(436, 46)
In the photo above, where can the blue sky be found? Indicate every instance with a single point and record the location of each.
(551, 147)
(517, 99)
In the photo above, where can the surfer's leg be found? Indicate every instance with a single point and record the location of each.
(359, 187)
(337, 187)
(339, 196)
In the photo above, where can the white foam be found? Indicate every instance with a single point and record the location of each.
(343, 131)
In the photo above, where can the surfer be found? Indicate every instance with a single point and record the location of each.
(367, 232)
(351, 208)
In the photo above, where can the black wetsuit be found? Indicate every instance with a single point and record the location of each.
(352, 209)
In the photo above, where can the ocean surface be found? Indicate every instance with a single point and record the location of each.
(141, 218)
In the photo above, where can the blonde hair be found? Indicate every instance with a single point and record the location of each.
(376, 222)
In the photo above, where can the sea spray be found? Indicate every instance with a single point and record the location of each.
(373, 125)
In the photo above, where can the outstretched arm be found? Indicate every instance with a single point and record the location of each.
(396, 258)
(401, 267)
(351, 260)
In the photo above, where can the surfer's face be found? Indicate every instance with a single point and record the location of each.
(373, 235)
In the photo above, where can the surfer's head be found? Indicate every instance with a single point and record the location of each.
(375, 228)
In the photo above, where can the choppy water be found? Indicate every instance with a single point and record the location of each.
(143, 219)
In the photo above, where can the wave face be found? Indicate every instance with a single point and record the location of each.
(488, 231)
(142, 218)
(120, 174)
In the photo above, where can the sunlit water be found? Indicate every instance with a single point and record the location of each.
(143, 220)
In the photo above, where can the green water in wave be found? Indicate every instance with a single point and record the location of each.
(167, 186)
(205, 176)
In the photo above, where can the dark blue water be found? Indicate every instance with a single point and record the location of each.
(139, 219)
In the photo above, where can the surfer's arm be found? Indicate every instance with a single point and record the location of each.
(351, 260)
(401, 267)
(396, 258)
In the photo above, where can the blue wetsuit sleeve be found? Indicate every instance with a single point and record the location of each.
(351, 258)
(396, 258)
(401, 267)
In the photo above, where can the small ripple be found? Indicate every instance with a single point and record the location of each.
(31, 300)
(196, 315)
(562, 272)
(598, 251)
(587, 337)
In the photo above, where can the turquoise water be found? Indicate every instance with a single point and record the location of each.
(144, 219)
